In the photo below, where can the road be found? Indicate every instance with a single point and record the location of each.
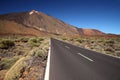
(68, 62)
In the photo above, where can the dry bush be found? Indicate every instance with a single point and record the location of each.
(26, 62)
(7, 63)
(79, 40)
(6, 43)
(16, 70)
(35, 42)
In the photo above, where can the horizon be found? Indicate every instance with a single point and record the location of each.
(103, 15)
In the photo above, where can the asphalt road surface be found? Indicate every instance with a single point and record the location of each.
(68, 62)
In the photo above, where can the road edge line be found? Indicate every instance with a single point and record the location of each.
(47, 70)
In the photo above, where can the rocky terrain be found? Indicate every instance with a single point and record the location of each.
(23, 58)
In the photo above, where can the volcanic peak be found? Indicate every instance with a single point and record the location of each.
(32, 12)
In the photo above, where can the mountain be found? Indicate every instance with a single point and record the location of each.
(37, 23)
(90, 32)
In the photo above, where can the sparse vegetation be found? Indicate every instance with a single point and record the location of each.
(79, 40)
(109, 41)
(41, 53)
(7, 63)
(24, 39)
(16, 71)
(35, 41)
(21, 55)
(64, 38)
(104, 45)
(25, 63)
(6, 43)
(40, 39)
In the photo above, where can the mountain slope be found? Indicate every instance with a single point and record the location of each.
(90, 32)
(35, 23)
(13, 28)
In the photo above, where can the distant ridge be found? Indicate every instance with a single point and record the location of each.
(39, 24)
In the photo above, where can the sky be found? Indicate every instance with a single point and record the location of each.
(103, 15)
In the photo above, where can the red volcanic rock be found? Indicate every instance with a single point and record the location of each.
(90, 32)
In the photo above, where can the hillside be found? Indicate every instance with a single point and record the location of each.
(13, 28)
(90, 32)
(37, 23)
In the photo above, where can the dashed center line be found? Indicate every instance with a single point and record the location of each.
(86, 57)
(67, 47)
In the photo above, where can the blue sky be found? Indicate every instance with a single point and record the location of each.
(103, 15)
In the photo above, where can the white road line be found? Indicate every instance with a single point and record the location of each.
(47, 71)
(67, 47)
(86, 57)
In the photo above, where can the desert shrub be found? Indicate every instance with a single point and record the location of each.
(71, 39)
(34, 42)
(64, 39)
(92, 41)
(16, 70)
(24, 39)
(109, 42)
(118, 39)
(40, 39)
(7, 63)
(6, 43)
(17, 40)
(108, 49)
(41, 53)
(100, 40)
(79, 40)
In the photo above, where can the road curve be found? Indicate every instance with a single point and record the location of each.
(68, 62)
